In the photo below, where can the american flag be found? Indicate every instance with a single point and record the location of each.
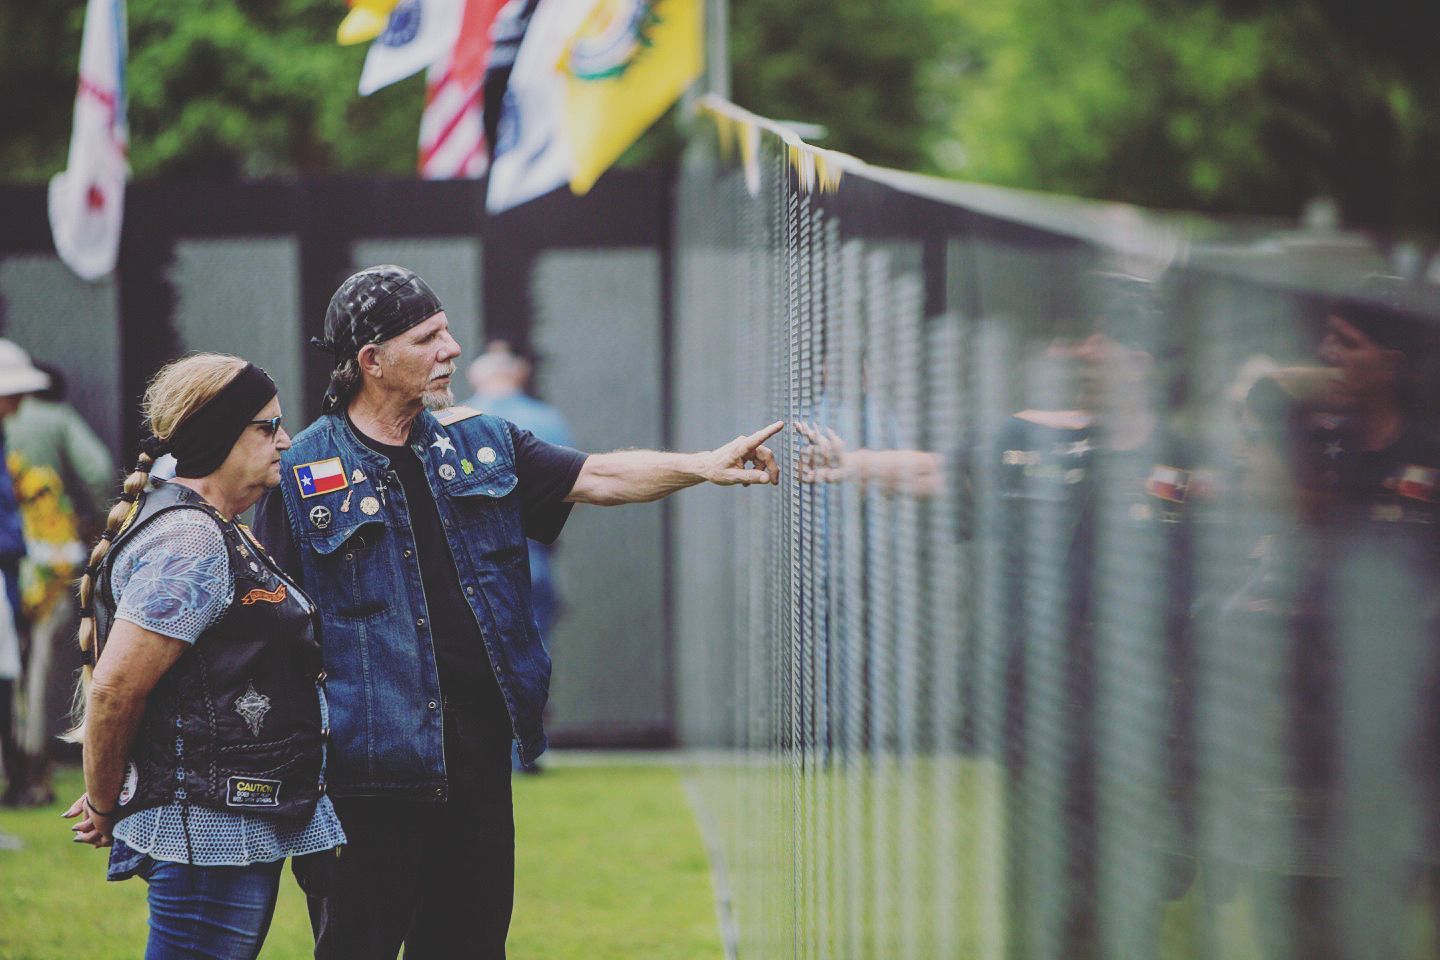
(452, 129)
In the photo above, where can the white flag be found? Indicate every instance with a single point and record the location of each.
(418, 33)
(87, 200)
(532, 148)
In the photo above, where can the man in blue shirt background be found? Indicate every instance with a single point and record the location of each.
(500, 379)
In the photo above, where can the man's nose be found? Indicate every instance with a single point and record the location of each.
(449, 349)
(282, 439)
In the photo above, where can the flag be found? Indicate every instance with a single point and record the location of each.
(1418, 483)
(629, 61)
(452, 129)
(321, 476)
(1168, 483)
(87, 199)
(418, 33)
(365, 21)
(505, 36)
(532, 152)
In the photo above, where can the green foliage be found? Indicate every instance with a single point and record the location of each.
(222, 89)
(1229, 105)
(873, 74)
(1253, 106)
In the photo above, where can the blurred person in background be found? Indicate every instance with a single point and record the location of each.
(410, 529)
(18, 377)
(500, 379)
(63, 476)
(204, 702)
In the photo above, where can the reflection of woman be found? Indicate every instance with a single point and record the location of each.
(202, 729)
(1273, 727)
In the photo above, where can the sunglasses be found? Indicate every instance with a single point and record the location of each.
(270, 426)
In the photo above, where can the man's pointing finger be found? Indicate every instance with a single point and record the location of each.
(760, 436)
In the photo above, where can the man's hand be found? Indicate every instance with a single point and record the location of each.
(92, 829)
(727, 465)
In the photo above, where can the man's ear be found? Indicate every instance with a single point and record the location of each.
(369, 360)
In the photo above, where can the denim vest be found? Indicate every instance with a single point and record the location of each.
(357, 560)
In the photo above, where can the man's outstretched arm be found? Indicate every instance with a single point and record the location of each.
(639, 476)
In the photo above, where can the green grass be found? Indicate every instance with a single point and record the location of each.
(610, 866)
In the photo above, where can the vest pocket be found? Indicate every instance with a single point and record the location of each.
(354, 572)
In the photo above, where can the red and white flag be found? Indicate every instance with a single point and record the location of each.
(452, 129)
(1418, 483)
(87, 199)
(1168, 483)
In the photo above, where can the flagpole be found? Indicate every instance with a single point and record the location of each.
(717, 53)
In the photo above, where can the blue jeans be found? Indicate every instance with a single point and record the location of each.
(209, 912)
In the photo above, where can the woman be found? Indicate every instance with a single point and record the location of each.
(204, 707)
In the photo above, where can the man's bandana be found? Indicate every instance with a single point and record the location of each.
(372, 306)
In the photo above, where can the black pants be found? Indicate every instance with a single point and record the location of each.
(437, 877)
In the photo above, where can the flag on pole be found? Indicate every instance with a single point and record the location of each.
(629, 61)
(87, 199)
(365, 21)
(532, 150)
(418, 33)
(452, 129)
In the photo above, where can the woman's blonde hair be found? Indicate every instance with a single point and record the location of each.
(179, 389)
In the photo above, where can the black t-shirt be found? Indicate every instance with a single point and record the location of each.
(546, 474)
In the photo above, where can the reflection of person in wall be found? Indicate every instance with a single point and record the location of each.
(410, 527)
(500, 379)
(1385, 463)
(1094, 497)
(1271, 715)
(204, 718)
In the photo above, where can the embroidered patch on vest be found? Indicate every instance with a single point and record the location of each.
(252, 707)
(264, 596)
(252, 792)
(320, 476)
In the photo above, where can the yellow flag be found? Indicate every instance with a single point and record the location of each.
(626, 65)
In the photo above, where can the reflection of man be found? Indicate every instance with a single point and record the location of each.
(409, 530)
(500, 378)
(1100, 484)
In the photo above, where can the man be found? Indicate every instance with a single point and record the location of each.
(409, 530)
(499, 378)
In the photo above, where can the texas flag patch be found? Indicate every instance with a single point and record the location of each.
(1168, 483)
(1418, 483)
(321, 476)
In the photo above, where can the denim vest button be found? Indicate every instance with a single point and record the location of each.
(433, 704)
(439, 791)
(470, 590)
(407, 553)
(420, 622)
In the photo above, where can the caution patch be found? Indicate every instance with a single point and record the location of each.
(252, 792)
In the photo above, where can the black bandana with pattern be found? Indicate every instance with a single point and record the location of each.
(371, 307)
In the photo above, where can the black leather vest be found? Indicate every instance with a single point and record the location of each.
(235, 723)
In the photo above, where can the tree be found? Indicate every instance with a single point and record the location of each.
(224, 89)
(1252, 106)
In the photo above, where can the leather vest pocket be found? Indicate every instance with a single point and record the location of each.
(354, 571)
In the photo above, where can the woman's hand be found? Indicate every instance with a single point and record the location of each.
(94, 828)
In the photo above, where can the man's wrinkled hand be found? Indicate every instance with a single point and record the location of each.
(745, 460)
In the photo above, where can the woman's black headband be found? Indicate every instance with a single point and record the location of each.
(203, 440)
